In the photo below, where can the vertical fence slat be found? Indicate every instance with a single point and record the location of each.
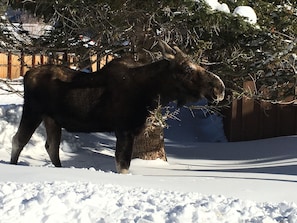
(250, 120)
(287, 120)
(28, 62)
(37, 59)
(250, 116)
(3, 65)
(268, 120)
(233, 120)
(94, 64)
(15, 66)
(236, 120)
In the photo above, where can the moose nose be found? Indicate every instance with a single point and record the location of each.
(220, 90)
(220, 94)
(218, 87)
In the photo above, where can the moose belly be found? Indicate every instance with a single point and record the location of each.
(84, 124)
(96, 124)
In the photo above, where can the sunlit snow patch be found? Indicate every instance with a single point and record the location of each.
(247, 12)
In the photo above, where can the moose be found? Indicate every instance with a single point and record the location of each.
(116, 98)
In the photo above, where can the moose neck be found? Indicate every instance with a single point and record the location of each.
(158, 79)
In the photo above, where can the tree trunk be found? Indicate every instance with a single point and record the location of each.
(149, 144)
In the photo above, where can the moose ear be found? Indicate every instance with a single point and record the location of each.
(167, 51)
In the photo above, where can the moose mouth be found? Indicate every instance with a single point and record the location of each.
(215, 98)
(219, 97)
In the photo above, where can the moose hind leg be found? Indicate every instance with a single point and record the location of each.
(26, 129)
(53, 132)
(123, 154)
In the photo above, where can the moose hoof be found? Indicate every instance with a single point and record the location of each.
(123, 171)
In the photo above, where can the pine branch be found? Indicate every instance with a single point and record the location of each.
(10, 89)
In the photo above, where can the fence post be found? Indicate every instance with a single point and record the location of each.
(41, 59)
(9, 65)
(33, 60)
(22, 64)
(98, 61)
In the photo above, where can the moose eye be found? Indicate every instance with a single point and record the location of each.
(188, 70)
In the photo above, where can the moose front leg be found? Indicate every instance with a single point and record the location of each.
(123, 153)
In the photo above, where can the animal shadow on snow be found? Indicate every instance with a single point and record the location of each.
(96, 150)
(274, 156)
(92, 150)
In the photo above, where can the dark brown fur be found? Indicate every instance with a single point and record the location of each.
(117, 99)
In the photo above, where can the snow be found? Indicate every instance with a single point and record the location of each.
(36, 29)
(215, 5)
(253, 181)
(245, 11)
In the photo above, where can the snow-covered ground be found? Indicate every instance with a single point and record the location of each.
(251, 181)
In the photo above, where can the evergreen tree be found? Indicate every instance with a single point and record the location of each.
(227, 44)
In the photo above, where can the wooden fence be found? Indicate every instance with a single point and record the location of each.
(15, 65)
(249, 119)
